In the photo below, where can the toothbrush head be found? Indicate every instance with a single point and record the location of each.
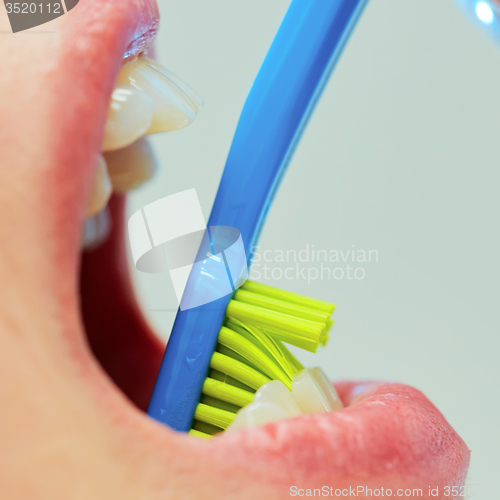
(253, 377)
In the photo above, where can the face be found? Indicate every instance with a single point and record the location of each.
(77, 359)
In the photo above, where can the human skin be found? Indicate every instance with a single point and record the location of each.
(77, 359)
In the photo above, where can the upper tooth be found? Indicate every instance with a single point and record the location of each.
(308, 393)
(130, 115)
(131, 166)
(173, 109)
(273, 401)
(101, 189)
(184, 87)
(327, 387)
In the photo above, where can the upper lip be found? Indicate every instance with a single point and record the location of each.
(388, 433)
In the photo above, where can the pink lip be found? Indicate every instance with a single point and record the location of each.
(388, 435)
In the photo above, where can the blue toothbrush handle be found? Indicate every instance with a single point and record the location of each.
(281, 100)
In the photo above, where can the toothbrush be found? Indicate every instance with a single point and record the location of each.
(281, 100)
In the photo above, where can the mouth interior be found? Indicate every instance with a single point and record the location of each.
(118, 334)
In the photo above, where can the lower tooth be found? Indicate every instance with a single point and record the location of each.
(131, 166)
(257, 414)
(312, 392)
(276, 392)
(309, 394)
(130, 115)
(96, 230)
(327, 387)
(101, 189)
(272, 402)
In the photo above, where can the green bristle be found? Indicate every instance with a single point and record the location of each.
(223, 377)
(206, 428)
(324, 333)
(281, 306)
(241, 328)
(297, 340)
(293, 298)
(217, 403)
(214, 416)
(226, 392)
(235, 368)
(194, 432)
(265, 343)
(291, 358)
(250, 350)
(230, 353)
(301, 331)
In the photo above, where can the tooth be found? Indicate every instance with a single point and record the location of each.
(96, 229)
(312, 392)
(173, 108)
(276, 392)
(256, 414)
(327, 387)
(184, 87)
(131, 166)
(130, 115)
(308, 393)
(273, 401)
(101, 189)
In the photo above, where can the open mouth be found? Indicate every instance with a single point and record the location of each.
(387, 436)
